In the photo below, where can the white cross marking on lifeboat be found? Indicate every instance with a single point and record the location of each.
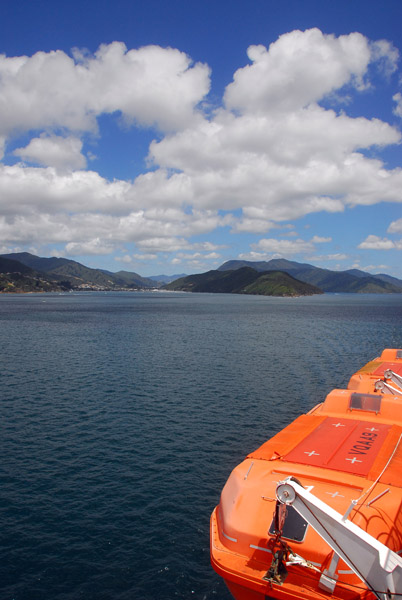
(312, 453)
(337, 425)
(371, 429)
(335, 494)
(354, 459)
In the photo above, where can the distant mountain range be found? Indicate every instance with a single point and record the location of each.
(244, 280)
(268, 278)
(166, 278)
(24, 272)
(350, 281)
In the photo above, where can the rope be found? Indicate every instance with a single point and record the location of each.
(381, 474)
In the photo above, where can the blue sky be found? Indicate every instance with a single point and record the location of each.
(169, 137)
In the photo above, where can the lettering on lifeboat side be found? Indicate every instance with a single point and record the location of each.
(364, 443)
(342, 444)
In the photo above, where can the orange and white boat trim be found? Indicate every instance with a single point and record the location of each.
(347, 452)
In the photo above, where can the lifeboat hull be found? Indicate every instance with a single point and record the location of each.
(348, 452)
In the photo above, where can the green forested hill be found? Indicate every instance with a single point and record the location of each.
(78, 275)
(17, 277)
(352, 281)
(244, 281)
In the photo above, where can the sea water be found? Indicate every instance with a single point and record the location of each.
(122, 415)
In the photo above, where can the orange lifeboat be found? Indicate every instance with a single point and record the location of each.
(383, 374)
(316, 511)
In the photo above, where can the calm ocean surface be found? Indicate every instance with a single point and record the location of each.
(122, 415)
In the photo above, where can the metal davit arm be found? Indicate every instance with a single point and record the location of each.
(376, 565)
(394, 377)
(385, 387)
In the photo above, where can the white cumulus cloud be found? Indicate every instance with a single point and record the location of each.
(298, 69)
(270, 153)
(277, 168)
(153, 86)
(284, 247)
(320, 240)
(374, 242)
(395, 227)
(54, 151)
(94, 246)
(398, 108)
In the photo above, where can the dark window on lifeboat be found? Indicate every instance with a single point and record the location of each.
(399, 354)
(295, 526)
(367, 402)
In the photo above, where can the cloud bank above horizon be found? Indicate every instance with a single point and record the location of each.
(277, 147)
